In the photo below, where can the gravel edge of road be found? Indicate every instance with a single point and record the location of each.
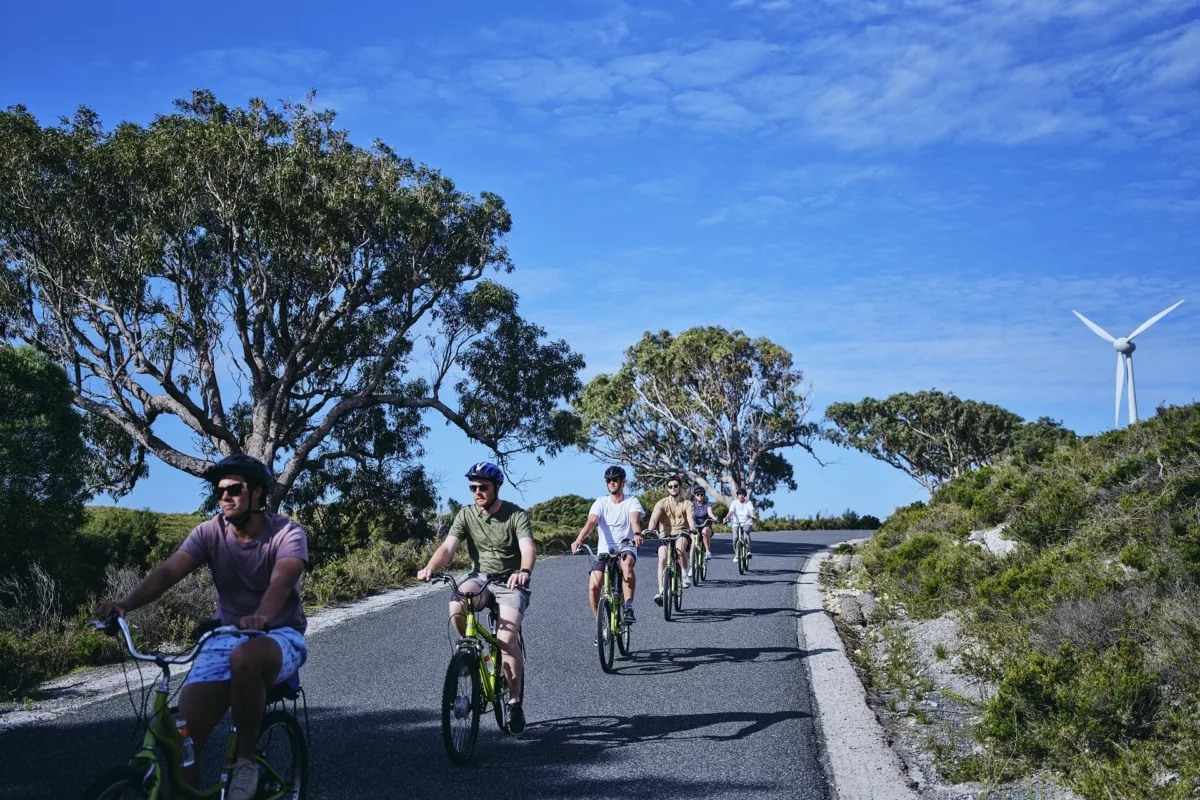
(861, 763)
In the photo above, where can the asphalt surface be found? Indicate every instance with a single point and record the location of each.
(714, 704)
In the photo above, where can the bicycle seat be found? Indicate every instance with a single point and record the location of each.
(287, 690)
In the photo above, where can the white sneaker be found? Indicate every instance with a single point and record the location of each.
(708, 556)
(243, 780)
(686, 582)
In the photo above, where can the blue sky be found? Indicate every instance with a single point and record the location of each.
(906, 195)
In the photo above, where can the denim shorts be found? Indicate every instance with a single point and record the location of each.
(213, 662)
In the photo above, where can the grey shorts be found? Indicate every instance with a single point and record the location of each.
(212, 664)
(513, 598)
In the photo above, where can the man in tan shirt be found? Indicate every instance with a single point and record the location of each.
(673, 515)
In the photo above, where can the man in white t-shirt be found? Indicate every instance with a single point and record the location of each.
(742, 512)
(618, 519)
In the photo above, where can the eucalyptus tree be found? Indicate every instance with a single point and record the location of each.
(712, 405)
(931, 436)
(277, 289)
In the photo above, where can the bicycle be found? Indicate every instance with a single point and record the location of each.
(610, 616)
(475, 676)
(741, 549)
(156, 770)
(672, 575)
(699, 567)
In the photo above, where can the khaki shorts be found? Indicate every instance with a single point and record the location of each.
(513, 598)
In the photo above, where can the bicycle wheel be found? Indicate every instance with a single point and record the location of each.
(606, 637)
(502, 691)
(461, 704)
(131, 782)
(677, 592)
(668, 584)
(739, 555)
(283, 756)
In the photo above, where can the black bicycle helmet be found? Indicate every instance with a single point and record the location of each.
(614, 474)
(486, 471)
(254, 471)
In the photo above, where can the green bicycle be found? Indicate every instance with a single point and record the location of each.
(672, 575)
(699, 567)
(475, 676)
(155, 772)
(612, 631)
(741, 548)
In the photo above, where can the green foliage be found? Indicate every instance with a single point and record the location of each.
(41, 478)
(568, 511)
(712, 405)
(1088, 628)
(931, 436)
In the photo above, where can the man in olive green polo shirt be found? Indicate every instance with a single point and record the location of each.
(500, 542)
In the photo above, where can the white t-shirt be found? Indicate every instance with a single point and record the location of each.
(740, 511)
(613, 520)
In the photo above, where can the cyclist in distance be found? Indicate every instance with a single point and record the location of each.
(616, 517)
(703, 512)
(742, 512)
(673, 515)
(256, 559)
(499, 540)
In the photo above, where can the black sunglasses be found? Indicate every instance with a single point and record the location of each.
(233, 489)
(478, 487)
(672, 485)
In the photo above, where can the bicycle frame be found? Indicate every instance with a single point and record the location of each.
(474, 632)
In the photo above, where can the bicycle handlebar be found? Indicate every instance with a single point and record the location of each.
(116, 624)
(596, 556)
(488, 580)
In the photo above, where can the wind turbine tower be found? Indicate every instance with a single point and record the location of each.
(1124, 347)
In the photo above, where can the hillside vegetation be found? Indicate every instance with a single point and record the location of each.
(1087, 630)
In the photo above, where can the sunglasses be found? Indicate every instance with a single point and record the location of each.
(478, 488)
(672, 485)
(232, 489)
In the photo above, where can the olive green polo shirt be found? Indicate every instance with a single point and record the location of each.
(492, 539)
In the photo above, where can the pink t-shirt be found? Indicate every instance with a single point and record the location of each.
(241, 571)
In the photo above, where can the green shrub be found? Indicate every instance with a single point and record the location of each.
(1051, 516)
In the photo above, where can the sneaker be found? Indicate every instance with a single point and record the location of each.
(749, 556)
(658, 599)
(596, 642)
(516, 718)
(708, 556)
(243, 780)
(686, 582)
(629, 615)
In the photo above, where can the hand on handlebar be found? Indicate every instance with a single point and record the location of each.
(106, 610)
(424, 574)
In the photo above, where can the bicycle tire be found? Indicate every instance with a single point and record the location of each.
(123, 783)
(695, 567)
(668, 577)
(606, 638)
(461, 706)
(624, 629)
(283, 755)
(503, 691)
(677, 594)
(739, 551)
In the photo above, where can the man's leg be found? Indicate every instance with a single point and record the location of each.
(202, 705)
(254, 665)
(594, 580)
(510, 649)
(662, 567)
(681, 553)
(707, 534)
(629, 575)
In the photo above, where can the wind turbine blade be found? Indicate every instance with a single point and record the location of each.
(1152, 320)
(1120, 386)
(1103, 334)
(1132, 391)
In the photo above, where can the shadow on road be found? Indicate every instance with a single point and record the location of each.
(703, 615)
(679, 659)
(570, 737)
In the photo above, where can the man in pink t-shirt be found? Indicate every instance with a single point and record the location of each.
(256, 559)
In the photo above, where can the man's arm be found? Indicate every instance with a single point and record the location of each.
(440, 558)
(151, 587)
(284, 577)
(691, 515)
(584, 532)
(655, 515)
(520, 578)
(635, 524)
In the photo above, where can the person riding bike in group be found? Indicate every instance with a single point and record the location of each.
(742, 512)
(617, 518)
(673, 515)
(499, 540)
(702, 510)
(256, 559)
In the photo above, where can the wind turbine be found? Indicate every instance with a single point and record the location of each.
(1124, 347)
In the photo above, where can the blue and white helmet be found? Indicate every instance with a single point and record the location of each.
(487, 471)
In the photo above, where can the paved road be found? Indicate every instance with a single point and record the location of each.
(714, 704)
